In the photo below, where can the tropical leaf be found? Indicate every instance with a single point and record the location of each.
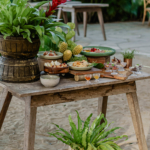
(94, 124)
(74, 130)
(40, 4)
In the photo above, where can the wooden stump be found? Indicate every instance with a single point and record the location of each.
(102, 59)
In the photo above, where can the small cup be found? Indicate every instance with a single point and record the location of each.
(96, 76)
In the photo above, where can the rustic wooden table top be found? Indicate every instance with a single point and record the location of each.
(66, 84)
(83, 5)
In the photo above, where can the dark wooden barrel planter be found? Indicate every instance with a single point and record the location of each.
(19, 71)
(19, 48)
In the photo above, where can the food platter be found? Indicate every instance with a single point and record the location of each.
(56, 68)
(59, 55)
(79, 68)
(102, 51)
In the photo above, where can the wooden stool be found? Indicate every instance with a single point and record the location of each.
(82, 7)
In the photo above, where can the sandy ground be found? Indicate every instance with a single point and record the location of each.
(11, 135)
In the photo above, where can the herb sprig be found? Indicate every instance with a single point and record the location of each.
(128, 54)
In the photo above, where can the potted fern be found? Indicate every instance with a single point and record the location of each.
(86, 137)
(128, 57)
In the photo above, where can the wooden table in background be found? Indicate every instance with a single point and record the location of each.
(35, 95)
(85, 8)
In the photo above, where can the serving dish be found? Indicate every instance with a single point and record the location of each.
(59, 55)
(109, 52)
(49, 80)
(52, 70)
(79, 68)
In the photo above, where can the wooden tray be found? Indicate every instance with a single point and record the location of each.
(51, 70)
(41, 62)
(79, 75)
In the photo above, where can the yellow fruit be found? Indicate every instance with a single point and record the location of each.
(77, 50)
(67, 55)
(62, 47)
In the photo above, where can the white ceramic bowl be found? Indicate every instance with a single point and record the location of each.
(79, 68)
(59, 55)
(49, 80)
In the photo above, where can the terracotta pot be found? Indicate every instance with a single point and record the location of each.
(19, 48)
(129, 62)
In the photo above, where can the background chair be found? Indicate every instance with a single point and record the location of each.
(146, 9)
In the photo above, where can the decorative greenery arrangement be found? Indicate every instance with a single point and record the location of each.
(19, 19)
(85, 137)
(128, 54)
(66, 46)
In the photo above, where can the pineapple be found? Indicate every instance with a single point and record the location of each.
(77, 50)
(62, 47)
(67, 55)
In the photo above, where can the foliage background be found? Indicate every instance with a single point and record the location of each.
(118, 10)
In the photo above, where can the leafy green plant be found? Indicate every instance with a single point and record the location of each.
(128, 54)
(86, 137)
(19, 19)
(75, 58)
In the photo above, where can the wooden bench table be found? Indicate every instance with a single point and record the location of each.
(35, 95)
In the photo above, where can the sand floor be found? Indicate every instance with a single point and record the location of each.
(12, 133)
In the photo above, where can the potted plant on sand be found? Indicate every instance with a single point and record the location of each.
(22, 30)
(85, 137)
(128, 57)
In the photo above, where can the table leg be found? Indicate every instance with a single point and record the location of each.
(85, 22)
(101, 21)
(5, 100)
(59, 14)
(65, 17)
(73, 15)
(149, 20)
(102, 106)
(76, 23)
(137, 120)
(30, 124)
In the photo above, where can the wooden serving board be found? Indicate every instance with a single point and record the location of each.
(79, 75)
(92, 71)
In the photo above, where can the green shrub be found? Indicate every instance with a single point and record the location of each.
(86, 137)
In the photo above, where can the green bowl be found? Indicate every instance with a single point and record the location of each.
(112, 52)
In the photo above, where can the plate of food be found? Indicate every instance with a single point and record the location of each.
(55, 67)
(50, 55)
(80, 65)
(97, 51)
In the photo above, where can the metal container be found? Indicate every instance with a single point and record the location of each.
(129, 62)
